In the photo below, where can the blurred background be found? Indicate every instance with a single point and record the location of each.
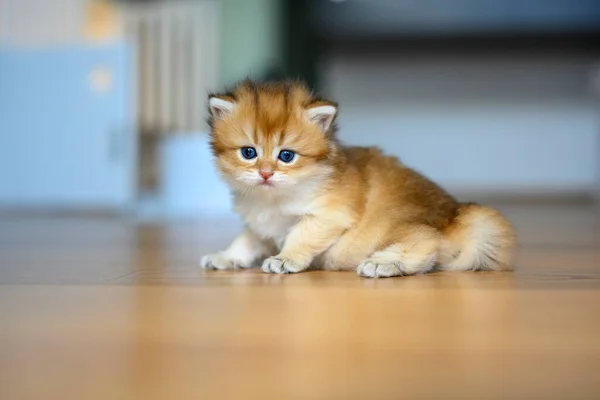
(102, 103)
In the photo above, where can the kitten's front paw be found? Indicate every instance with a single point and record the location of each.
(281, 265)
(220, 261)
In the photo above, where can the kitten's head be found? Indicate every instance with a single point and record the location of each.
(272, 137)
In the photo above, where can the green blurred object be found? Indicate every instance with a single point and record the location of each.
(250, 39)
(301, 48)
(268, 40)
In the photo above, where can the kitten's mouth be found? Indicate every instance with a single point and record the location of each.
(265, 184)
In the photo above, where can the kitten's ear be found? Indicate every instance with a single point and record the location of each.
(220, 107)
(322, 115)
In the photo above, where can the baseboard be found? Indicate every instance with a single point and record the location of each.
(150, 209)
(65, 212)
(583, 195)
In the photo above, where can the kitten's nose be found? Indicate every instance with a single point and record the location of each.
(266, 174)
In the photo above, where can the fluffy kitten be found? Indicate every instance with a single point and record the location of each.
(307, 201)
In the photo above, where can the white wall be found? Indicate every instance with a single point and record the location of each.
(493, 124)
(41, 22)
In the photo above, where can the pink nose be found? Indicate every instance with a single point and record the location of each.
(265, 174)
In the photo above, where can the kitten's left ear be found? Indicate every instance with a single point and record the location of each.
(322, 115)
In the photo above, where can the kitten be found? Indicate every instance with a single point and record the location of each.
(307, 201)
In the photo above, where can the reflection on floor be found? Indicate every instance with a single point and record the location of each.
(102, 308)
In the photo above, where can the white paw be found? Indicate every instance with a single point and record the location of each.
(221, 261)
(373, 269)
(281, 265)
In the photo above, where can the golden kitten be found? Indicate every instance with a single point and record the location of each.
(307, 201)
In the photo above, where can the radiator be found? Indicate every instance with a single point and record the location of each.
(176, 52)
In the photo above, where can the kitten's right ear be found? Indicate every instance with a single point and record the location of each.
(220, 107)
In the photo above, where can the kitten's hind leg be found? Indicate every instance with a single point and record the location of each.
(414, 251)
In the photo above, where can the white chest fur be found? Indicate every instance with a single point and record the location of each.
(270, 218)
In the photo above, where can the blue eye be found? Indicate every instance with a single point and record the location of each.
(248, 153)
(286, 155)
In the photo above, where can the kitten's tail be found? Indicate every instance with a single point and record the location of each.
(479, 238)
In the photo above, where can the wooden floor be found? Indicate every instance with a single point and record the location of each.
(101, 308)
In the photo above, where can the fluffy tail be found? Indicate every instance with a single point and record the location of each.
(479, 238)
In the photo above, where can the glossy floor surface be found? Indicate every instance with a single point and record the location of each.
(102, 308)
